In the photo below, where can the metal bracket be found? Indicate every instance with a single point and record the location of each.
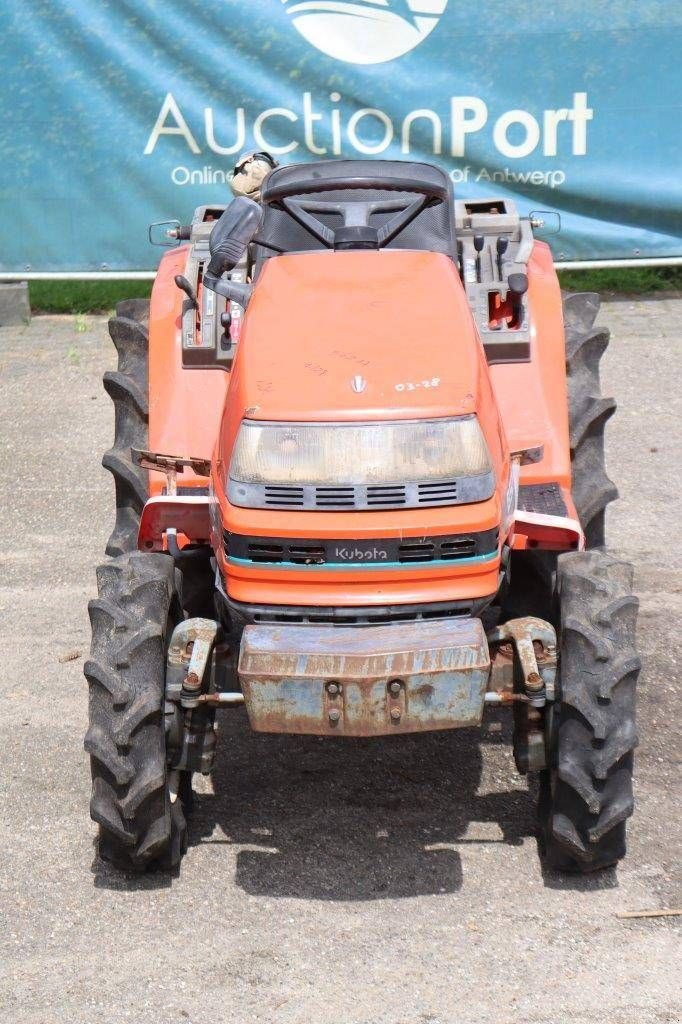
(170, 465)
(189, 656)
(528, 456)
(534, 644)
(190, 733)
(538, 666)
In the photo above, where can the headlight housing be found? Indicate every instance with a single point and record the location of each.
(357, 461)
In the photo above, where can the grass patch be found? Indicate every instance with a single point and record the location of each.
(102, 296)
(83, 296)
(627, 281)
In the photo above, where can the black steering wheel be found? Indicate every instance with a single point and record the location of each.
(355, 214)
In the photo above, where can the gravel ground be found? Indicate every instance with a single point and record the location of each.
(389, 882)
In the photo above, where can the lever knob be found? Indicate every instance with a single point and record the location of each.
(518, 284)
(184, 286)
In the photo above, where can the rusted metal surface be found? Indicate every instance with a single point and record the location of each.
(171, 465)
(189, 657)
(226, 699)
(501, 668)
(531, 645)
(505, 697)
(364, 681)
(534, 642)
(190, 738)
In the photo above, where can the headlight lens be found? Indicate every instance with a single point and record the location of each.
(366, 453)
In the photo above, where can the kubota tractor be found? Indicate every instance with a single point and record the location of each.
(360, 489)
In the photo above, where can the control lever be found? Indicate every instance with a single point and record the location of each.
(184, 286)
(518, 286)
(502, 245)
(225, 339)
(479, 242)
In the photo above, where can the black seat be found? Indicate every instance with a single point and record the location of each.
(409, 204)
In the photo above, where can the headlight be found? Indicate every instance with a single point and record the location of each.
(366, 454)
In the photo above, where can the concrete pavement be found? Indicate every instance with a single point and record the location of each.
(388, 882)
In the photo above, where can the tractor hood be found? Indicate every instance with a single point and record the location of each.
(342, 336)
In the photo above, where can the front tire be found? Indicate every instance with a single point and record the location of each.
(586, 794)
(140, 826)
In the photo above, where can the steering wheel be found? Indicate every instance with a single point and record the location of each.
(354, 213)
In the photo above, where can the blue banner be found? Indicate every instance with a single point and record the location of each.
(117, 113)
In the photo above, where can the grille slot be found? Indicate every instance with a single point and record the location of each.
(440, 491)
(378, 494)
(313, 554)
(286, 496)
(424, 552)
(335, 497)
(266, 552)
(459, 548)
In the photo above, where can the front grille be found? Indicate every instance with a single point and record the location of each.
(362, 497)
(378, 551)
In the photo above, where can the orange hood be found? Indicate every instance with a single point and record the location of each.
(357, 335)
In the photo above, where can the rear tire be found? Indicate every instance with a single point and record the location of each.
(589, 411)
(128, 387)
(533, 573)
(140, 827)
(586, 794)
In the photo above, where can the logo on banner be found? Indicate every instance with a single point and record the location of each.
(365, 31)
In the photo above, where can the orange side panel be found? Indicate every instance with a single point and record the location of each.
(532, 397)
(185, 405)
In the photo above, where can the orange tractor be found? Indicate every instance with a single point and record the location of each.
(360, 489)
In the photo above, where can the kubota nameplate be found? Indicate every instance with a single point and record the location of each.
(389, 551)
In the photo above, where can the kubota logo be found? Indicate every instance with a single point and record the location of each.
(365, 31)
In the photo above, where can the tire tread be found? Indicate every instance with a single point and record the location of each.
(128, 388)
(138, 827)
(588, 795)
